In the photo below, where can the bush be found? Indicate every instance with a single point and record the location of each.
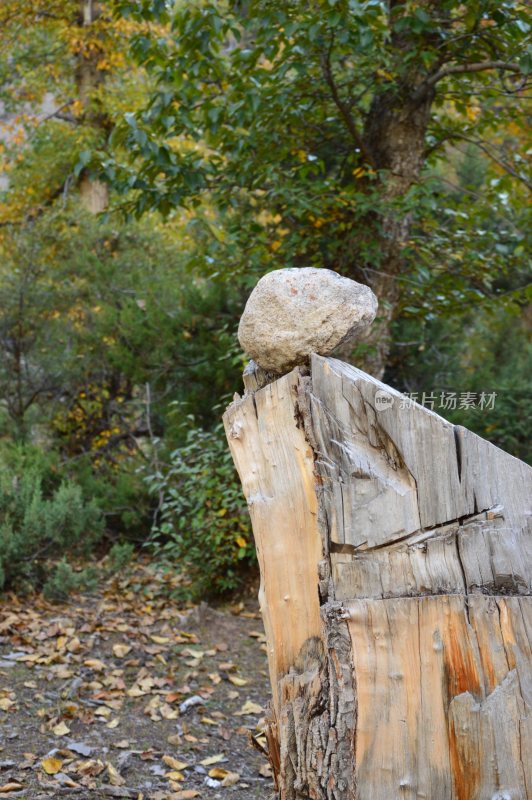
(41, 518)
(120, 556)
(204, 527)
(64, 581)
(118, 488)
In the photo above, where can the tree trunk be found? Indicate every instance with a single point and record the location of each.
(394, 137)
(396, 585)
(94, 193)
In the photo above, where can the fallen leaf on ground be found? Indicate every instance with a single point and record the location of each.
(61, 730)
(249, 707)
(95, 664)
(236, 681)
(174, 775)
(231, 779)
(51, 765)
(121, 650)
(10, 787)
(213, 759)
(114, 776)
(173, 763)
(91, 768)
(123, 744)
(218, 772)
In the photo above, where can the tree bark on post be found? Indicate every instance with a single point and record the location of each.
(396, 582)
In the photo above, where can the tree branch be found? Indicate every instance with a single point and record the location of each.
(481, 66)
(343, 107)
(504, 164)
(485, 149)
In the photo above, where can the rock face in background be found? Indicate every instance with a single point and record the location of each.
(292, 313)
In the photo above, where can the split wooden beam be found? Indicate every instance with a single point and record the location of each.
(395, 552)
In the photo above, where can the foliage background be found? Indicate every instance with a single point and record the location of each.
(220, 141)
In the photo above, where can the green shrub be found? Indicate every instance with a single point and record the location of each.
(42, 518)
(119, 490)
(204, 527)
(64, 581)
(120, 556)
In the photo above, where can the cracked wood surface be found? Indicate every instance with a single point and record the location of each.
(444, 698)
(276, 467)
(412, 538)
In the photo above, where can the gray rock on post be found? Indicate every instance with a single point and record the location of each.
(293, 312)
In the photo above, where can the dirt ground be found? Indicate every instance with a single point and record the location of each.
(127, 694)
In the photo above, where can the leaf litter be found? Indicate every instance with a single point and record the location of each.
(129, 694)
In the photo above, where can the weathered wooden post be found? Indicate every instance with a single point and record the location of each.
(396, 574)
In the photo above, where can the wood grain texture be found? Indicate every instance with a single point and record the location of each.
(276, 468)
(409, 451)
(396, 588)
(478, 555)
(414, 505)
(443, 701)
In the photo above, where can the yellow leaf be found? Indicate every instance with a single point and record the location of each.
(207, 762)
(113, 724)
(121, 650)
(236, 681)
(231, 779)
(241, 542)
(51, 765)
(167, 712)
(95, 664)
(135, 691)
(173, 763)
(115, 779)
(249, 707)
(174, 776)
(6, 703)
(218, 773)
(61, 730)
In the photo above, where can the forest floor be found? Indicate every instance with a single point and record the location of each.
(128, 694)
